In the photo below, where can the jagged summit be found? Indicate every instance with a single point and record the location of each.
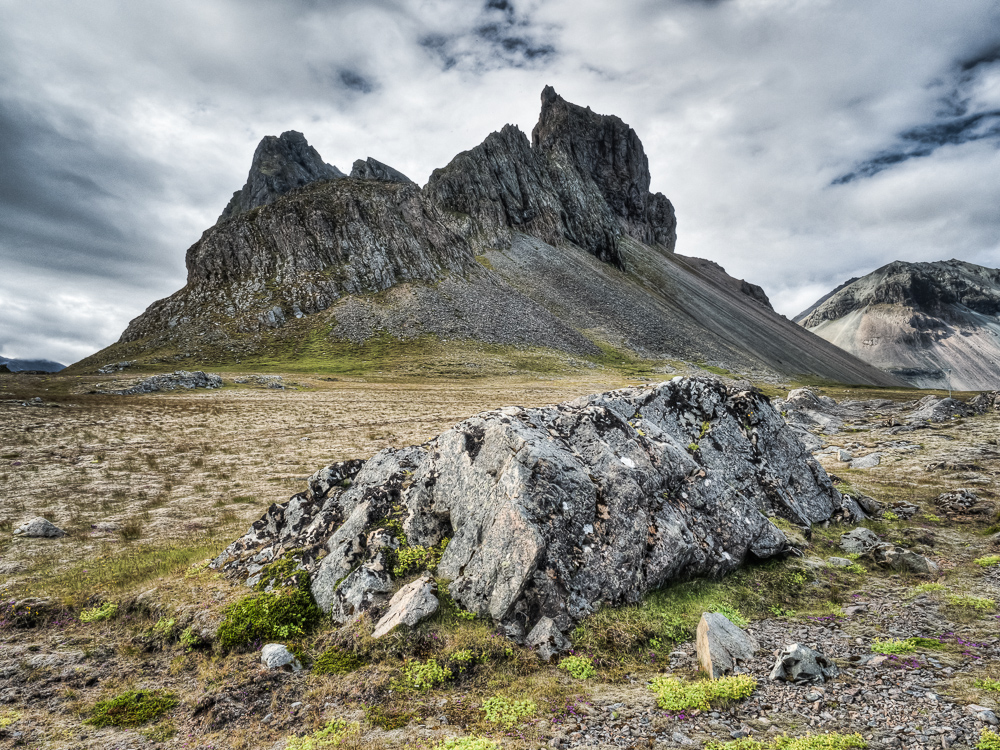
(370, 169)
(280, 164)
(553, 245)
(926, 322)
(583, 178)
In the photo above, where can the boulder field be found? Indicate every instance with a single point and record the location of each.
(547, 514)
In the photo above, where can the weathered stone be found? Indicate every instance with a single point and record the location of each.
(801, 664)
(365, 589)
(39, 527)
(547, 640)
(839, 562)
(721, 645)
(859, 541)
(906, 560)
(845, 456)
(276, 656)
(114, 367)
(867, 462)
(957, 501)
(556, 511)
(411, 604)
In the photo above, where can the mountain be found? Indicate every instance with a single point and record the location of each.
(39, 365)
(930, 324)
(517, 252)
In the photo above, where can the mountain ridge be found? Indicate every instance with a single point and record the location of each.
(553, 244)
(934, 324)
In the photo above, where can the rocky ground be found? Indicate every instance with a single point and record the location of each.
(54, 668)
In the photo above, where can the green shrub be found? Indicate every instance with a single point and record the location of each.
(412, 559)
(8, 717)
(988, 562)
(461, 660)
(132, 708)
(927, 588)
(505, 713)
(579, 666)
(101, 612)
(284, 571)
(161, 732)
(332, 735)
(274, 615)
(190, 640)
(988, 740)
(674, 695)
(337, 661)
(992, 685)
(467, 743)
(424, 675)
(164, 627)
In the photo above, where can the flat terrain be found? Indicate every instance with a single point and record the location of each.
(150, 487)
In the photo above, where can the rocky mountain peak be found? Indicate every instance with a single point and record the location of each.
(280, 164)
(371, 169)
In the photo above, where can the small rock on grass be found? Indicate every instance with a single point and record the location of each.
(276, 656)
(39, 527)
(411, 604)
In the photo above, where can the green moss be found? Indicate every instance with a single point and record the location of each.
(275, 615)
(992, 686)
(579, 666)
(976, 603)
(674, 695)
(386, 718)
(467, 743)
(988, 561)
(285, 571)
(337, 661)
(132, 709)
(332, 735)
(893, 646)
(505, 713)
(988, 740)
(420, 675)
(832, 741)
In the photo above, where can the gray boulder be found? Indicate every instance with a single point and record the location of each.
(276, 656)
(364, 590)
(179, 380)
(934, 409)
(559, 510)
(904, 560)
(547, 640)
(839, 562)
(844, 456)
(411, 604)
(867, 462)
(722, 645)
(39, 528)
(859, 541)
(800, 664)
(957, 501)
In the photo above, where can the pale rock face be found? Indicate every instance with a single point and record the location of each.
(545, 518)
(934, 325)
(39, 528)
(414, 602)
(276, 656)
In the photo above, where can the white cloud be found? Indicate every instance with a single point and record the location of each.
(133, 123)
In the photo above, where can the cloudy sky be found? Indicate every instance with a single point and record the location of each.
(802, 141)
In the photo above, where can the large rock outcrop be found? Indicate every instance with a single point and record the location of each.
(556, 511)
(935, 325)
(280, 164)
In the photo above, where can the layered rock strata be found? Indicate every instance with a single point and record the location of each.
(556, 511)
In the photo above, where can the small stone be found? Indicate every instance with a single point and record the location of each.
(276, 656)
(411, 604)
(722, 645)
(845, 456)
(547, 640)
(798, 663)
(681, 739)
(867, 462)
(839, 562)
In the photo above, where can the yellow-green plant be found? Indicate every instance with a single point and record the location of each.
(101, 612)
(988, 684)
(988, 561)
(978, 603)
(8, 717)
(467, 743)
(331, 735)
(674, 695)
(988, 740)
(505, 713)
(424, 675)
(579, 666)
(893, 646)
(832, 741)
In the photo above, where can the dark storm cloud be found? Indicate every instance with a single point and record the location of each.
(356, 82)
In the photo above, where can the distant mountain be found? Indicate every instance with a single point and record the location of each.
(927, 323)
(517, 249)
(19, 365)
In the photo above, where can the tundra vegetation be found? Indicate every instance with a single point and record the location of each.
(119, 633)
